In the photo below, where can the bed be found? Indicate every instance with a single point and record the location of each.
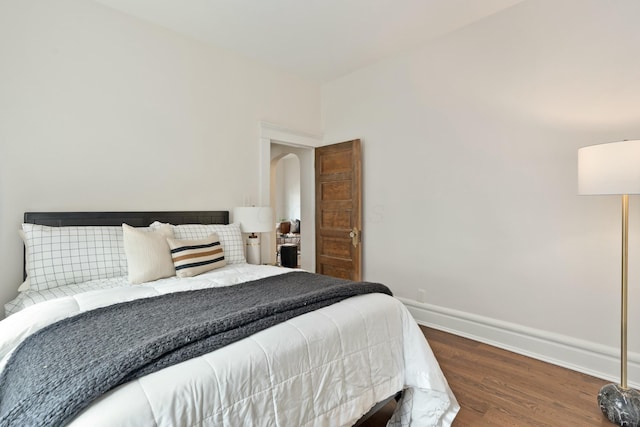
(326, 367)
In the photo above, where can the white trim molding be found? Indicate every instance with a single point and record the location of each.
(579, 355)
(287, 136)
(273, 133)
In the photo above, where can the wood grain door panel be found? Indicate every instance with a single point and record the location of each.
(338, 210)
(336, 191)
(336, 219)
(337, 162)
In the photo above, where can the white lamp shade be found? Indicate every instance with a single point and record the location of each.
(612, 168)
(254, 219)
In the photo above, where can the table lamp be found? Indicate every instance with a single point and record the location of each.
(254, 220)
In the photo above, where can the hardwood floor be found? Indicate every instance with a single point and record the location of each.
(498, 388)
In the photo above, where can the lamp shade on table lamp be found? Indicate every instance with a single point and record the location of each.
(253, 220)
(614, 168)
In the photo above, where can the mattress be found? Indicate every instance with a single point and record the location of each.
(324, 368)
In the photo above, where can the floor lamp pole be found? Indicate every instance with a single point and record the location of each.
(620, 403)
(623, 311)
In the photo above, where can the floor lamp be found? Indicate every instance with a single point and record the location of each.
(254, 220)
(614, 168)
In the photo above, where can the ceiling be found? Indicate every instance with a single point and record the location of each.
(318, 40)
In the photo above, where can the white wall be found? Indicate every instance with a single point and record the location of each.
(470, 155)
(101, 111)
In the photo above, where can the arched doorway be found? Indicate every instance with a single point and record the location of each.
(285, 199)
(274, 143)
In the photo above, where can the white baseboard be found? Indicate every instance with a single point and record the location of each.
(579, 355)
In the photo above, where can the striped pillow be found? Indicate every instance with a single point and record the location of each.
(229, 234)
(193, 257)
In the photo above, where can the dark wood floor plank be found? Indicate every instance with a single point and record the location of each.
(497, 388)
(515, 390)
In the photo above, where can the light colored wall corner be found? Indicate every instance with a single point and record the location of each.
(575, 354)
(470, 170)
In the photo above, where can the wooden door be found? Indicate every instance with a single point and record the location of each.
(338, 210)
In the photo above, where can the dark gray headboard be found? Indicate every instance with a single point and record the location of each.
(135, 219)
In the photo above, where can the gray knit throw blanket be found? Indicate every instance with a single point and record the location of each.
(61, 369)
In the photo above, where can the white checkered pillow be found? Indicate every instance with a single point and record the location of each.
(61, 256)
(230, 237)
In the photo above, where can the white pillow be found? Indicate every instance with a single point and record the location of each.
(230, 237)
(193, 257)
(25, 286)
(148, 253)
(59, 256)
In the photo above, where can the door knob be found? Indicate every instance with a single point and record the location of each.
(355, 237)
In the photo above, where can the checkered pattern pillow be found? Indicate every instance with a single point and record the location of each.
(230, 237)
(61, 256)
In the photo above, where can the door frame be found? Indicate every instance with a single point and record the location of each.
(270, 133)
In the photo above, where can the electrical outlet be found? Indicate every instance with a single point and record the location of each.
(422, 295)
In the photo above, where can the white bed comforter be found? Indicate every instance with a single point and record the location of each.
(325, 368)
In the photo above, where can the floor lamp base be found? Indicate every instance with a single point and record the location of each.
(620, 405)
